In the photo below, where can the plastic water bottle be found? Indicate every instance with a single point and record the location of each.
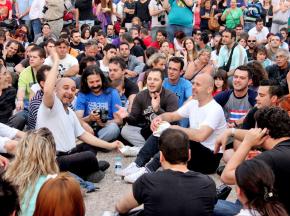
(118, 168)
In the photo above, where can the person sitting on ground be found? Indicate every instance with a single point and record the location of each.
(9, 199)
(96, 103)
(55, 114)
(60, 196)
(34, 162)
(255, 190)
(158, 191)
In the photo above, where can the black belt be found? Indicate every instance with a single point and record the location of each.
(53, 19)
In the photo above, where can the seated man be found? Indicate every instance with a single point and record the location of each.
(149, 103)
(96, 103)
(55, 114)
(206, 122)
(272, 134)
(7, 136)
(159, 191)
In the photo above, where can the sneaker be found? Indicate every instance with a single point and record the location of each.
(103, 165)
(96, 177)
(134, 176)
(129, 151)
(131, 168)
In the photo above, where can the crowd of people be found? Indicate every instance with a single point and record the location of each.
(183, 86)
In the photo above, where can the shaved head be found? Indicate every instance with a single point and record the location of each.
(64, 81)
(206, 79)
(202, 86)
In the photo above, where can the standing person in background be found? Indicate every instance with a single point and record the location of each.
(84, 10)
(22, 11)
(268, 8)
(281, 12)
(142, 12)
(180, 17)
(54, 15)
(233, 16)
(5, 10)
(129, 12)
(159, 16)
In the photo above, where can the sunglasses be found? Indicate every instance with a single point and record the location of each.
(251, 41)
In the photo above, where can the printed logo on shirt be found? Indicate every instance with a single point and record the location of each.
(236, 114)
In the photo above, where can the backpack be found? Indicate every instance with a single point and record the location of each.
(253, 11)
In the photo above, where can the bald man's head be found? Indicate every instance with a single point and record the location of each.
(65, 90)
(202, 86)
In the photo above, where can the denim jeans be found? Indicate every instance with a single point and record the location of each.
(36, 26)
(226, 208)
(249, 26)
(110, 132)
(19, 119)
(171, 29)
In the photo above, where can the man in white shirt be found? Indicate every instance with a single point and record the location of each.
(109, 51)
(7, 136)
(35, 14)
(259, 31)
(68, 65)
(55, 114)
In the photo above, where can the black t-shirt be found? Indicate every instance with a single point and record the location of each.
(128, 17)
(79, 47)
(142, 11)
(278, 159)
(82, 55)
(7, 104)
(137, 51)
(12, 61)
(173, 193)
(249, 121)
(85, 9)
(130, 88)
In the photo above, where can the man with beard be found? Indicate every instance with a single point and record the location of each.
(109, 51)
(273, 46)
(147, 104)
(96, 103)
(237, 102)
(252, 44)
(206, 122)
(55, 114)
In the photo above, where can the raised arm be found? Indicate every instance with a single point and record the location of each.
(48, 97)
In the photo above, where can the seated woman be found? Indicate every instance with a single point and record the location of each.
(34, 163)
(60, 196)
(255, 183)
(201, 65)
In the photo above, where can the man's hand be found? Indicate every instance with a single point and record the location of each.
(155, 101)
(255, 136)
(19, 105)
(121, 113)
(129, 73)
(4, 162)
(116, 144)
(54, 55)
(96, 117)
(221, 141)
(155, 123)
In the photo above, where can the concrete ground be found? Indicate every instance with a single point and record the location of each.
(110, 191)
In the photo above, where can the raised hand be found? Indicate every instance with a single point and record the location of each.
(121, 113)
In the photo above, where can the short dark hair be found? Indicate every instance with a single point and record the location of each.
(91, 42)
(12, 42)
(174, 145)
(109, 46)
(258, 20)
(40, 74)
(101, 33)
(275, 119)
(50, 40)
(156, 70)
(84, 61)
(61, 41)
(144, 31)
(239, 25)
(41, 51)
(74, 31)
(150, 51)
(127, 37)
(163, 32)
(204, 37)
(231, 31)
(45, 24)
(177, 60)
(90, 70)
(118, 61)
(245, 68)
(9, 198)
(274, 87)
(122, 43)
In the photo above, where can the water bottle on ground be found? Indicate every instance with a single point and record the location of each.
(118, 168)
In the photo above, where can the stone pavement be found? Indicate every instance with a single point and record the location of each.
(110, 191)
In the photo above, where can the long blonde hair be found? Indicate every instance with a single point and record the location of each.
(35, 156)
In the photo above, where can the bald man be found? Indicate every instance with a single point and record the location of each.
(55, 114)
(206, 122)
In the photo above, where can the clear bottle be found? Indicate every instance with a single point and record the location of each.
(118, 168)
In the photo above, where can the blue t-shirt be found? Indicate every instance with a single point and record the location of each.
(107, 100)
(179, 14)
(182, 89)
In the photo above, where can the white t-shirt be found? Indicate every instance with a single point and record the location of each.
(104, 68)
(35, 87)
(64, 126)
(211, 115)
(261, 35)
(155, 23)
(64, 64)
(247, 212)
(6, 133)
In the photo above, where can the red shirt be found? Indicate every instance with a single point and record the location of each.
(4, 10)
(156, 45)
(147, 40)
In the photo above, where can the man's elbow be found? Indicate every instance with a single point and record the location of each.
(227, 179)
(119, 208)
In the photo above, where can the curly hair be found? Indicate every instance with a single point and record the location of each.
(275, 119)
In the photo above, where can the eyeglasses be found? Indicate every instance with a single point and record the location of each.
(251, 41)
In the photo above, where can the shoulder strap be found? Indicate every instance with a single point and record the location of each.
(190, 8)
(33, 76)
(230, 58)
(198, 72)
